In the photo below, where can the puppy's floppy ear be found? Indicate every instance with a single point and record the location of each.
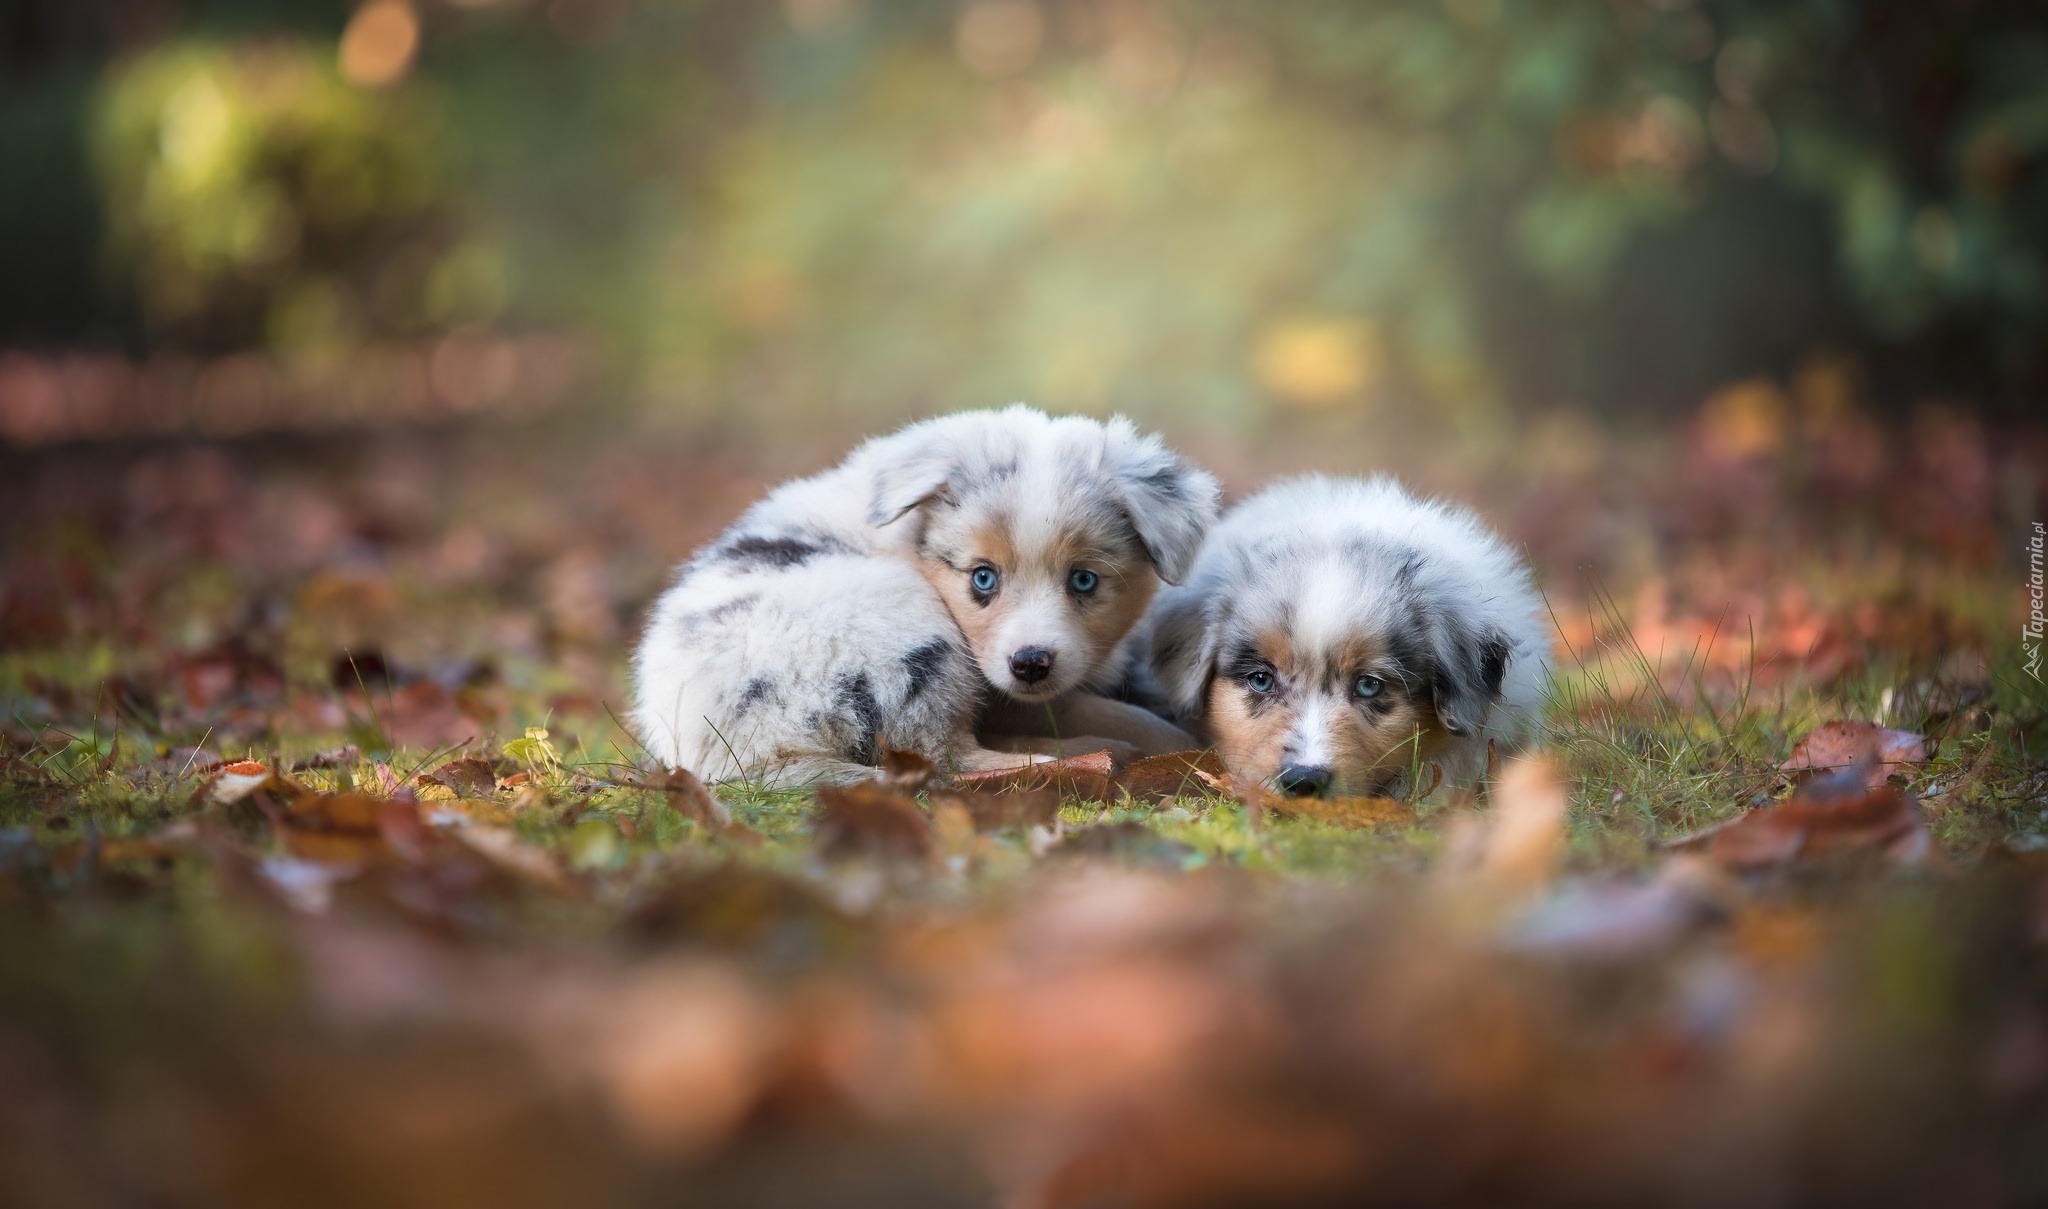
(907, 483)
(1184, 638)
(1470, 663)
(1169, 501)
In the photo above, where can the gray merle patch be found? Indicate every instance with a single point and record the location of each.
(752, 693)
(855, 698)
(925, 664)
(777, 552)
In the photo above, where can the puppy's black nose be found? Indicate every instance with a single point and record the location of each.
(1031, 664)
(1303, 780)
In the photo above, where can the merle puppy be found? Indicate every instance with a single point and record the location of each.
(883, 604)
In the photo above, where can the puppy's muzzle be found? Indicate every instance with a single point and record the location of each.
(1303, 780)
(1031, 664)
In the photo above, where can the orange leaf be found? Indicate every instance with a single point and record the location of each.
(872, 819)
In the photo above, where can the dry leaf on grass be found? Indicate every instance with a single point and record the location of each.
(1829, 815)
(1173, 775)
(469, 777)
(906, 770)
(1088, 777)
(870, 819)
(689, 797)
(1881, 751)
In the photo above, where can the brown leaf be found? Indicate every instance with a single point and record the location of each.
(871, 819)
(469, 777)
(334, 811)
(1018, 808)
(1080, 776)
(906, 770)
(1883, 752)
(331, 847)
(689, 797)
(1827, 816)
(1173, 775)
(1525, 831)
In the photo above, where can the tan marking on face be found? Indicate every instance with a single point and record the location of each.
(988, 542)
(1082, 632)
(1365, 748)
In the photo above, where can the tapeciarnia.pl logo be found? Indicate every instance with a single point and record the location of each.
(2030, 634)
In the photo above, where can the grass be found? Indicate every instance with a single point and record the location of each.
(1010, 990)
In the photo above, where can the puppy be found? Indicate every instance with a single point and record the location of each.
(875, 606)
(1337, 635)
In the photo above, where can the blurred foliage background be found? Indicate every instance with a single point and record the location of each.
(1215, 210)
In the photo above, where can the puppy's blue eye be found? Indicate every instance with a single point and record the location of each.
(983, 579)
(1083, 580)
(1259, 682)
(1368, 686)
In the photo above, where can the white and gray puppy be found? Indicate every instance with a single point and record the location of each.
(1336, 635)
(873, 606)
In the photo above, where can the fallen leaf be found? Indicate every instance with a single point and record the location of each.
(1828, 815)
(871, 819)
(1003, 811)
(1839, 745)
(906, 770)
(469, 777)
(238, 780)
(1525, 832)
(349, 811)
(1087, 777)
(1173, 775)
(689, 797)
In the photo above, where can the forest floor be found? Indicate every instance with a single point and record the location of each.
(328, 876)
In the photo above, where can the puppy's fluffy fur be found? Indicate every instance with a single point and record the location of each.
(1336, 634)
(872, 606)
